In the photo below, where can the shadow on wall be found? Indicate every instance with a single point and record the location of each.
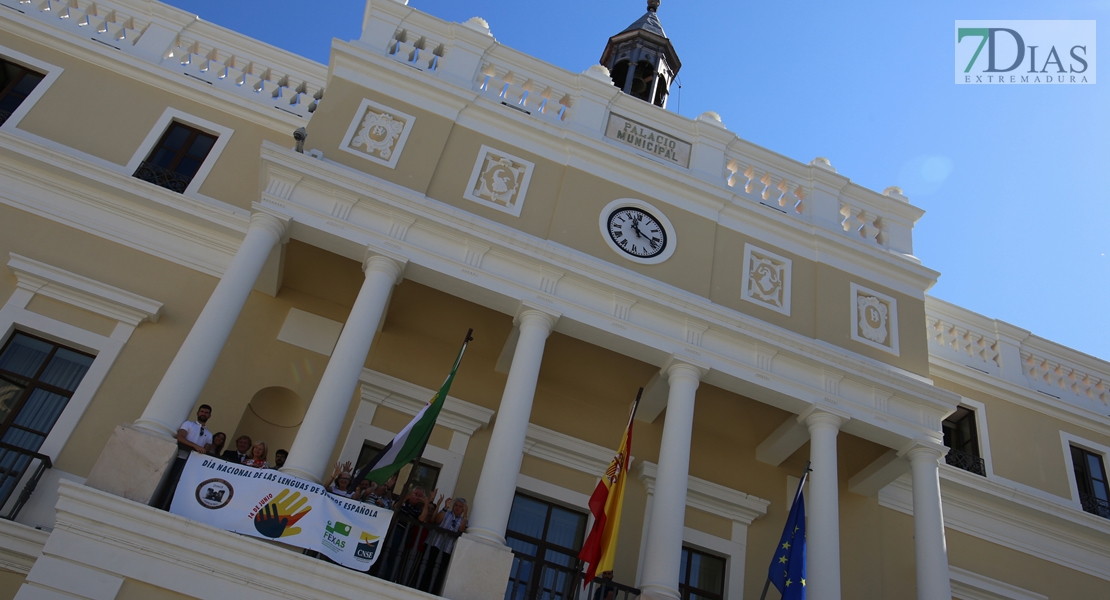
(273, 415)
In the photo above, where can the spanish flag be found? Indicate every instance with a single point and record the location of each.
(605, 504)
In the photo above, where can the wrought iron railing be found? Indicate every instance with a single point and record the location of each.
(966, 461)
(414, 554)
(4, 116)
(171, 180)
(600, 589)
(14, 462)
(1094, 505)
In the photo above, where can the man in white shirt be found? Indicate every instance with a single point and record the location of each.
(192, 436)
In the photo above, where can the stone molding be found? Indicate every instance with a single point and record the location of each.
(567, 451)
(967, 585)
(105, 300)
(1048, 529)
(20, 546)
(712, 498)
(407, 398)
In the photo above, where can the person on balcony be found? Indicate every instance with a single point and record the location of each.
(239, 454)
(452, 517)
(279, 458)
(340, 482)
(257, 458)
(218, 440)
(398, 562)
(192, 436)
(605, 592)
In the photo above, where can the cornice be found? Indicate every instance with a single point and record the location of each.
(82, 292)
(1043, 528)
(95, 196)
(20, 546)
(407, 398)
(567, 451)
(712, 498)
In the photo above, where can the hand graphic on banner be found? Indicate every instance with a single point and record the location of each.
(277, 518)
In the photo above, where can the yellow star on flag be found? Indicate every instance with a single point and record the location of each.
(788, 582)
(786, 545)
(782, 559)
(803, 582)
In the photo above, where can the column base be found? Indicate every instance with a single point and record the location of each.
(653, 591)
(479, 570)
(133, 464)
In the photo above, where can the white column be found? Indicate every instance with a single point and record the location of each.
(497, 484)
(312, 448)
(180, 387)
(823, 508)
(930, 548)
(663, 551)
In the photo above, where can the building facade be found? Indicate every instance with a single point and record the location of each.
(169, 244)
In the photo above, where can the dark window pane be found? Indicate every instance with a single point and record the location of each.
(24, 355)
(177, 157)
(201, 146)
(176, 138)
(527, 517)
(10, 393)
(27, 83)
(66, 369)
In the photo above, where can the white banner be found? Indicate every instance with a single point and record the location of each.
(270, 504)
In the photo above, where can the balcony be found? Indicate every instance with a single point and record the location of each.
(171, 180)
(966, 461)
(1094, 505)
(15, 462)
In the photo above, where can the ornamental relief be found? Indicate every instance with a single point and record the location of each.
(766, 279)
(499, 181)
(378, 133)
(874, 319)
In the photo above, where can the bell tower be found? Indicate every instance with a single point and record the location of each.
(641, 59)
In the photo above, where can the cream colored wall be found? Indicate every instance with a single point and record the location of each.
(1025, 444)
(425, 143)
(144, 359)
(133, 589)
(10, 583)
(117, 112)
(834, 323)
(67, 313)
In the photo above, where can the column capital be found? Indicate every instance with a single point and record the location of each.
(529, 313)
(381, 261)
(274, 222)
(680, 365)
(929, 450)
(818, 414)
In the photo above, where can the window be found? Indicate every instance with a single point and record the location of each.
(37, 379)
(177, 157)
(1090, 478)
(961, 436)
(427, 474)
(545, 539)
(701, 576)
(16, 83)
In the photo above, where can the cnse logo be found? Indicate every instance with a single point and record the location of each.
(1075, 60)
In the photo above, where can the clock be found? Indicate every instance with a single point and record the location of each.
(637, 231)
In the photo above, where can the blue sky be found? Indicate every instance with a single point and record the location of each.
(1015, 179)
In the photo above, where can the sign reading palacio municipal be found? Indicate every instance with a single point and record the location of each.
(646, 139)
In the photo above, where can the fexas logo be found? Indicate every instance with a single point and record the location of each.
(1025, 52)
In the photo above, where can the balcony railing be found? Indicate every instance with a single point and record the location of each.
(1095, 506)
(171, 180)
(4, 116)
(966, 461)
(412, 555)
(14, 462)
(600, 589)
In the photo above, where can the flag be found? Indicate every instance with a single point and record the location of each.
(410, 441)
(600, 548)
(788, 567)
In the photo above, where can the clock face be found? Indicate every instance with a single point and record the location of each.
(636, 232)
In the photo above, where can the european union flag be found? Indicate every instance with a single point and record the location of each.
(788, 568)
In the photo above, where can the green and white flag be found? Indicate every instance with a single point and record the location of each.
(410, 441)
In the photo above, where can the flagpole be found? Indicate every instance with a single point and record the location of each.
(416, 462)
(801, 484)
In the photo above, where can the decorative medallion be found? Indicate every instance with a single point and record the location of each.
(499, 181)
(874, 319)
(767, 279)
(378, 133)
